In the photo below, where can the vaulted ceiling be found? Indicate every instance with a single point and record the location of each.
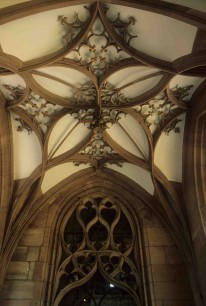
(97, 85)
(106, 90)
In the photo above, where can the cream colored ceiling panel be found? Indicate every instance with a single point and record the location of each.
(12, 80)
(181, 81)
(37, 35)
(131, 74)
(61, 129)
(199, 5)
(77, 136)
(121, 137)
(71, 76)
(168, 153)
(26, 150)
(136, 131)
(157, 35)
(134, 81)
(137, 174)
(5, 3)
(66, 134)
(57, 174)
(140, 88)
(54, 87)
(70, 84)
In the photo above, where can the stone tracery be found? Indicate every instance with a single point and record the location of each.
(98, 238)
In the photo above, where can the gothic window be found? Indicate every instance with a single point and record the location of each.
(98, 262)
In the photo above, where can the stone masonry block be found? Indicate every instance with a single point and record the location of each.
(16, 303)
(33, 254)
(174, 303)
(159, 237)
(164, 273)
(18, 290)
(17, 270)
(19, 254)
(157, 255)
(170, 273)
(33, 237)
(157, 222)
(172, 255)
(172, 291)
